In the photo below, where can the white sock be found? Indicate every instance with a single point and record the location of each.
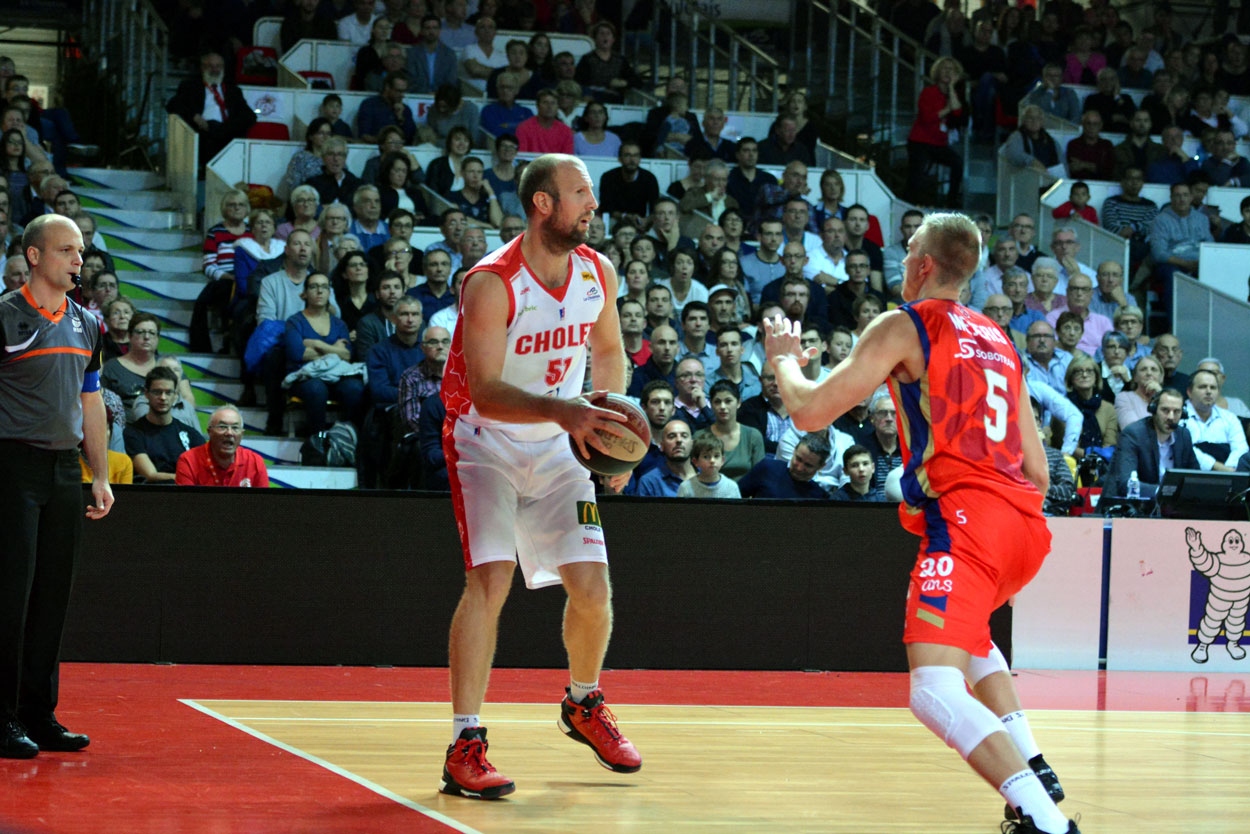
(581, 691)
(460, 723)
(1017, 726)
(1024, 792)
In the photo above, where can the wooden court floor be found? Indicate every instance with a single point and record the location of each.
(203, 750)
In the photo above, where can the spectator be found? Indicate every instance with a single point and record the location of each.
(1083, 63)
(633, 315)
(708, 456)
(860, 235)
(627, 193)
(331, 109)
(1114, 369)
(1044, 357)
(986, 66)
(604, 73)
(431, 63)
(1167, 349)
(1115, 107)
(1109, 293)
(528, 82)
(540, 59)
(503, 177)
(1240, 232)
(476, 200)
(1133, 73)
(1137, 150)
(155, 441)
(1050, 96)
(216, 110)
(893, 255)
(336, 184)
(1225, 166)
(304, 21)
(1141, 443)
(883, 443)
(1155, 102)
(15, 171)
(117, 316)
(989, 280)
(312, 334)
(774, 478)
(387, 109)
(710, 143)
(444, 174)
(1217, 434)
(1202, 115)
(389, 358)
(1044, 298)
(800, 297)
(860, 469)
(594, 139)
(1175, 235)
(1176, 164)
(357, 27)
(502, 117)
(569, 96)
(351, 286)
(662, 364)
(746, 180)
(674, 130)
(543, 132)
(664, 480)
(1032, 147)
(456, 32)
(223, 461)
(424, 378)
(435, 293)
(379, 323)
(1133, 401)
(1100, 427)
(939, 111)
(472, 247)
(259, 244)
(1066, 247)
(997, 308)
(306, 163)
(1089, 155)
(377, 58)
(1077, 204)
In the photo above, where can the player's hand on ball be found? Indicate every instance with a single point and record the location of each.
(586, 420)
(782, 338)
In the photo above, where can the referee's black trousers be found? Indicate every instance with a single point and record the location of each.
(41, 513)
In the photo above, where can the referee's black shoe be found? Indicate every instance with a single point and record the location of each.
(47, 732)
(14, 743)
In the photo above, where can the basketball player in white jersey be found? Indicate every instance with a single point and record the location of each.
(512, 386)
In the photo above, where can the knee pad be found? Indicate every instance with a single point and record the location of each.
(941, 702)
(980, 668)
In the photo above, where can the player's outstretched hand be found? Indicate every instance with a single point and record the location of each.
(584, 420)
(781, 338)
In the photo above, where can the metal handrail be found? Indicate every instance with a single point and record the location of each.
(130, 43)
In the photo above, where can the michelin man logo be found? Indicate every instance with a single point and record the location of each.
(1229, 573)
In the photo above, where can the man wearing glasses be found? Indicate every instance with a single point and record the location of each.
(1080, 294)
(1023, 230)
(222, 461)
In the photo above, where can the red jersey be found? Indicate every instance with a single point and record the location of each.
(197, 468)
(958, 424)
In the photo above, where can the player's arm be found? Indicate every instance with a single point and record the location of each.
(887, 342)
(1036, 469)
(607, 366)
(485, 341)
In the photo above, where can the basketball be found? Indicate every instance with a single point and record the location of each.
(624, 453)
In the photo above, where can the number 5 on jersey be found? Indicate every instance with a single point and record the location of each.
(996, 420)
(558, 368)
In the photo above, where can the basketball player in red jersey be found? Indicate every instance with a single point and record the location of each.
(512, 386)
(974, 474)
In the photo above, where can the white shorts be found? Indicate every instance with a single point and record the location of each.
(528, 502)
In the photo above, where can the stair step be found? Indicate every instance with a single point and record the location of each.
(177, 340)
(148, 240)
(277, 451)
(136, 261)
(93, 198)
(116, 179)
(179, 286)
(108, 219)
(216, 392)
(211, 366)
(172, 313)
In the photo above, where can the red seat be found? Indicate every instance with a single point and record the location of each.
(318, 79)
(256, 65)
(269, 130)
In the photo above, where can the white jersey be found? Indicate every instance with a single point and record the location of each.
(547, 333)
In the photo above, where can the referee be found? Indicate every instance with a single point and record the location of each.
(49, 403)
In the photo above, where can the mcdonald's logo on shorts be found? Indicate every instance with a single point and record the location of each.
(588, 513)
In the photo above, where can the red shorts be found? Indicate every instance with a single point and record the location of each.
(976, 552)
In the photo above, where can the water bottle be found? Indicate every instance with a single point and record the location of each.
(1134, 485)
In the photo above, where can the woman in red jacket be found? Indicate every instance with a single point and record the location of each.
(938, 112)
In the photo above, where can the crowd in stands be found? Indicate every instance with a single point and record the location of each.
(334, 304)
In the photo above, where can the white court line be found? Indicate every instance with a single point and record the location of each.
(335, 769)
(634, 721)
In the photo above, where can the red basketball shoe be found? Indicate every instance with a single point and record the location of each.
(594, 725)
(467, 773)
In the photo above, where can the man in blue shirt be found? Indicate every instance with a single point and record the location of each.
(773, 478)
(663, 480)
(385, 109)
